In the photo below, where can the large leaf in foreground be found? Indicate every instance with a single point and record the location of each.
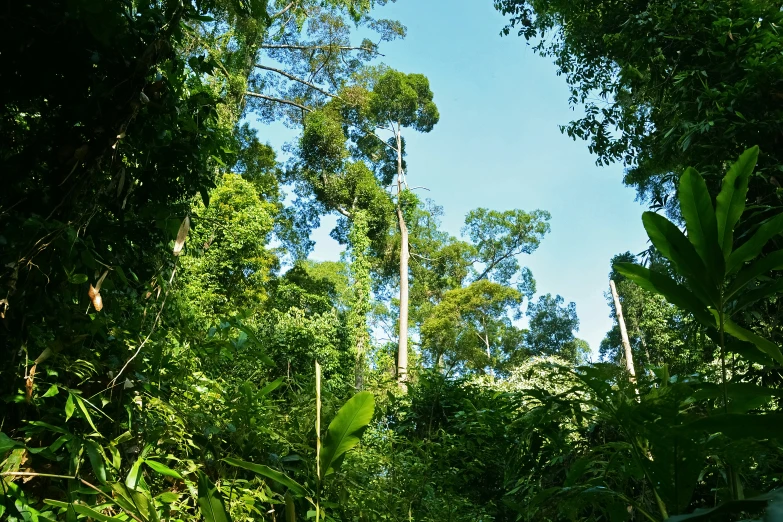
(675, 246)
(346, 430)
(210, 501)
(696, 207)
(731, 200)
(664, 285)
(269, 473)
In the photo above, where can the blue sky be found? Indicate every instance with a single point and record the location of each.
(498, 145)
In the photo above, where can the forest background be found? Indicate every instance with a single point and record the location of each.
(171, 353)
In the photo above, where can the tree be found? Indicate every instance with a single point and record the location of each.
(551, 329)
(666, 86)
(471, 327)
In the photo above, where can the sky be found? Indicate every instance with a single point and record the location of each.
(498, 146)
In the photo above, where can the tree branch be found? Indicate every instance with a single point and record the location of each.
(317, 47)
(278, 100)
(297, 79)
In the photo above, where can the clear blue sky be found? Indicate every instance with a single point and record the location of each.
(498, 145)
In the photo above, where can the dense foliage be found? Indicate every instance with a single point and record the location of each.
(170, 353)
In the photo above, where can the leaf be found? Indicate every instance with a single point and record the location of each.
(269, 473)
(83, 409)
(290, 508)
(134, 474)
(210, 501)
(664, 285)
(69, 407)
(52, 391)
(182, 234)
(761, 343)
(696, 208)
(346, 430)
(672, 244)
(272, 386)
(96, 460)
(83, 510)
(77, 279)
(162, 469)
(135, 501)
(730, 202)
(7, 443)
(753, 246)
(733, 506)
(751, 296)
(773, 261)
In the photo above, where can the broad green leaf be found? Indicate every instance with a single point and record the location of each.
(52, 391)
(290, 508)
(269, 473)
(210, 501)
(135, 501)
(7, 443)
(83, 409)
(77, 279)
(730, 202)
(162, 468)
(673, 245)
(664, 285)
(696, 207)
(751, 296)
(761, 267)
(272, 386)
(346, 430)
(96, 460)
(132, 480)
(70, 407)
(761, 343)
(753, 246)
(733, 507)
(83, 510)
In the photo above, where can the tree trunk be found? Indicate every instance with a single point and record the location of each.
(623, 332)
(402, 350)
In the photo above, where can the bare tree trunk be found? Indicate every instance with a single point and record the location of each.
(623, 332)
(402, 350)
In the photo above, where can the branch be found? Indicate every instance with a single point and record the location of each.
(297, 79)
(279, 100)
(317, 47)
(284, 11)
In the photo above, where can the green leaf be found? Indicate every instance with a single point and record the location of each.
(673, 245)
(272, 386)
(83, 409)
(664, 285)
(269, 473)
(773, 261)
(753, 246)
(7, 443)
(751, 296)
(733, 506)
(70, 407)
(346, 430)
(210, 501)
(731, 200)
(77, 279)
(83, 510)
(696, 208)
(162, 468)
(135, 501)
(96, 460)
(52, 391)
(132, 480)
(762, 344)
(290, 508)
